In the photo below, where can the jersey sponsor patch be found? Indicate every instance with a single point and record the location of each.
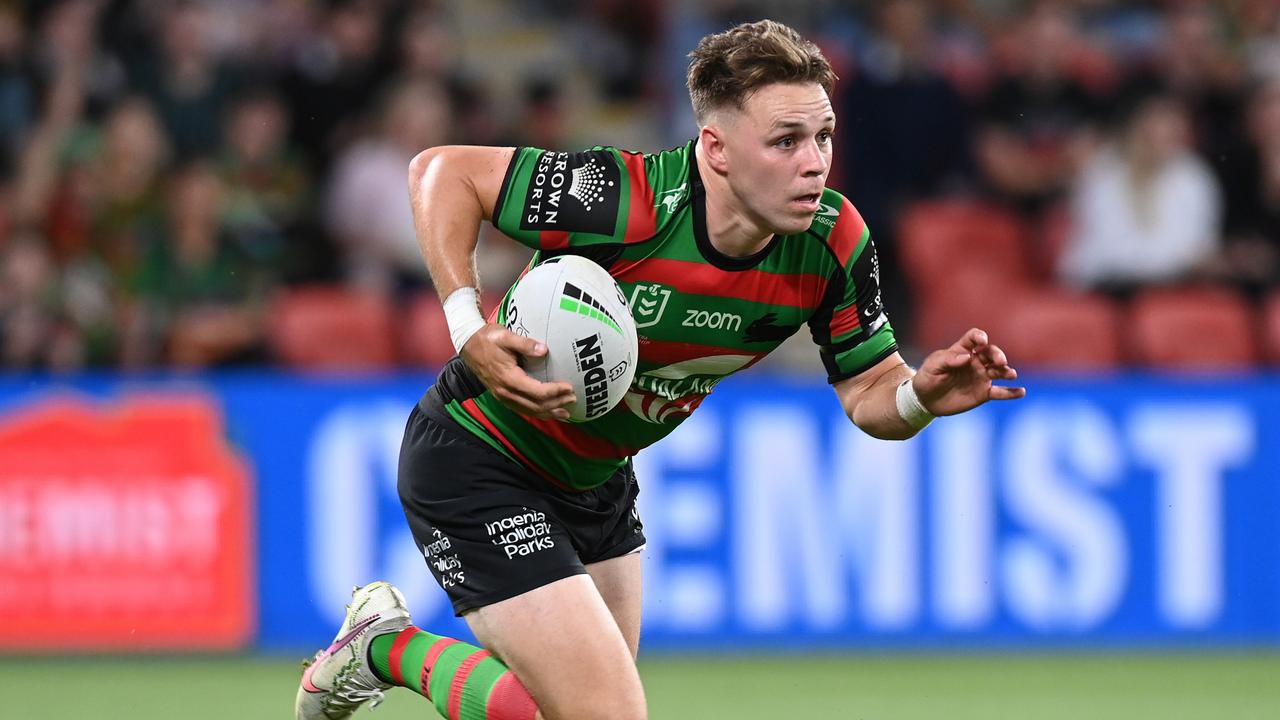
(573, 192)
(866, 278)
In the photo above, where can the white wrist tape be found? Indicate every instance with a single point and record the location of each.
(462, 312)
(910, 407)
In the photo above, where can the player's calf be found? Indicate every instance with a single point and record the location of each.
(464, 682)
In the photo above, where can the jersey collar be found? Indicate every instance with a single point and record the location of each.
(698, 196)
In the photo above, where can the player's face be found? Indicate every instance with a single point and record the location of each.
(778, 154)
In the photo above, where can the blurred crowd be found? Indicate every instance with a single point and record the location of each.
(170, 169)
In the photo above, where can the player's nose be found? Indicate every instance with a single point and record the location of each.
(813, 161)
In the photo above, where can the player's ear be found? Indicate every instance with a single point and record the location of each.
(713, 152)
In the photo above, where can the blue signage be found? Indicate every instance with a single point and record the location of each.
(1132, 510)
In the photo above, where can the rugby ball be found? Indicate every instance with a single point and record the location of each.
(578, 311)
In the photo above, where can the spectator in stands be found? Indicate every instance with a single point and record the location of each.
(368, 211)
(17, 96)
(903, 134)
(1146, 209)
(99, 215)
(200, 294)
(1039, 122)
(428, 45)
(543, 122)
(266, 186)
(1259, 26)
(128, 181)
(28, 302)
(336, 76)
(617, 37)
(960, 44)
(1196, 63)
(188, 84)
(429, 51)
(68, 41)
(1251, 178)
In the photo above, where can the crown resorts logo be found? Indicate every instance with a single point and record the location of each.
(593, 179)
(588, 184)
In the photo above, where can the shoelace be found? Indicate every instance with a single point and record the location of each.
(350, 690)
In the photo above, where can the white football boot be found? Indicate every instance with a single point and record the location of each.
(340, 679)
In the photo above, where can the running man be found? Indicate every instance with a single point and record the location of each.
(737, 223)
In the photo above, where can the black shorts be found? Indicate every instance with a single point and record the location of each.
(490, 529)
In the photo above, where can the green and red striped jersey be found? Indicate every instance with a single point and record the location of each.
(701, 315)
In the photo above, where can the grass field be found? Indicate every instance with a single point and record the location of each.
(1074, 686)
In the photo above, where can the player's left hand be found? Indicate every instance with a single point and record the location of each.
(960, 378)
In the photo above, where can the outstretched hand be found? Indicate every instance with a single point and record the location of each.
(494, 352)
(961, 377)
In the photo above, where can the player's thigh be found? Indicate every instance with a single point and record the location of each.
(619, 582)
(562, 642)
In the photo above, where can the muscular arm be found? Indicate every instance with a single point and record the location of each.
(451, 189)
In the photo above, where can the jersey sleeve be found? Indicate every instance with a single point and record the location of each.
(850, 327)
(555, 200)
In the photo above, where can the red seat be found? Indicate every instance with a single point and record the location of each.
(938, 239)
(426, 341)
(1193, 329)
(1058, 330)
(332, 328)
(970, 297)
(1271, 328)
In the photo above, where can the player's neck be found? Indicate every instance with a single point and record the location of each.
(730, 228)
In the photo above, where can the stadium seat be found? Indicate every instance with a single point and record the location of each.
(1062, 331)
(426, 340)
(970, 296)
(332, 328)
(1271, 328)
(1192, 329)
(937, 239)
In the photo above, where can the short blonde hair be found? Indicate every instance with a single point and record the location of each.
(727, 67)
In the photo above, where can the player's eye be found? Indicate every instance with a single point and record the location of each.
(824, 137)
(786, 142)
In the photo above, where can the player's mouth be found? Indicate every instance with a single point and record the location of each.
(807, 203)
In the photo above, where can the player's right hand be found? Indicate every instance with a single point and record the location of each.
(494, 353)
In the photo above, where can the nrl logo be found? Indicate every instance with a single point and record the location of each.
(648, 300)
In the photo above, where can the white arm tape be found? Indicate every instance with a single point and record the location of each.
(462, 312)
(910, 407)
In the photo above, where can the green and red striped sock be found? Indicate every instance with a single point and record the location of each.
(463, 681)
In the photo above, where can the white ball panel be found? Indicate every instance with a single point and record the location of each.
(577, 309)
